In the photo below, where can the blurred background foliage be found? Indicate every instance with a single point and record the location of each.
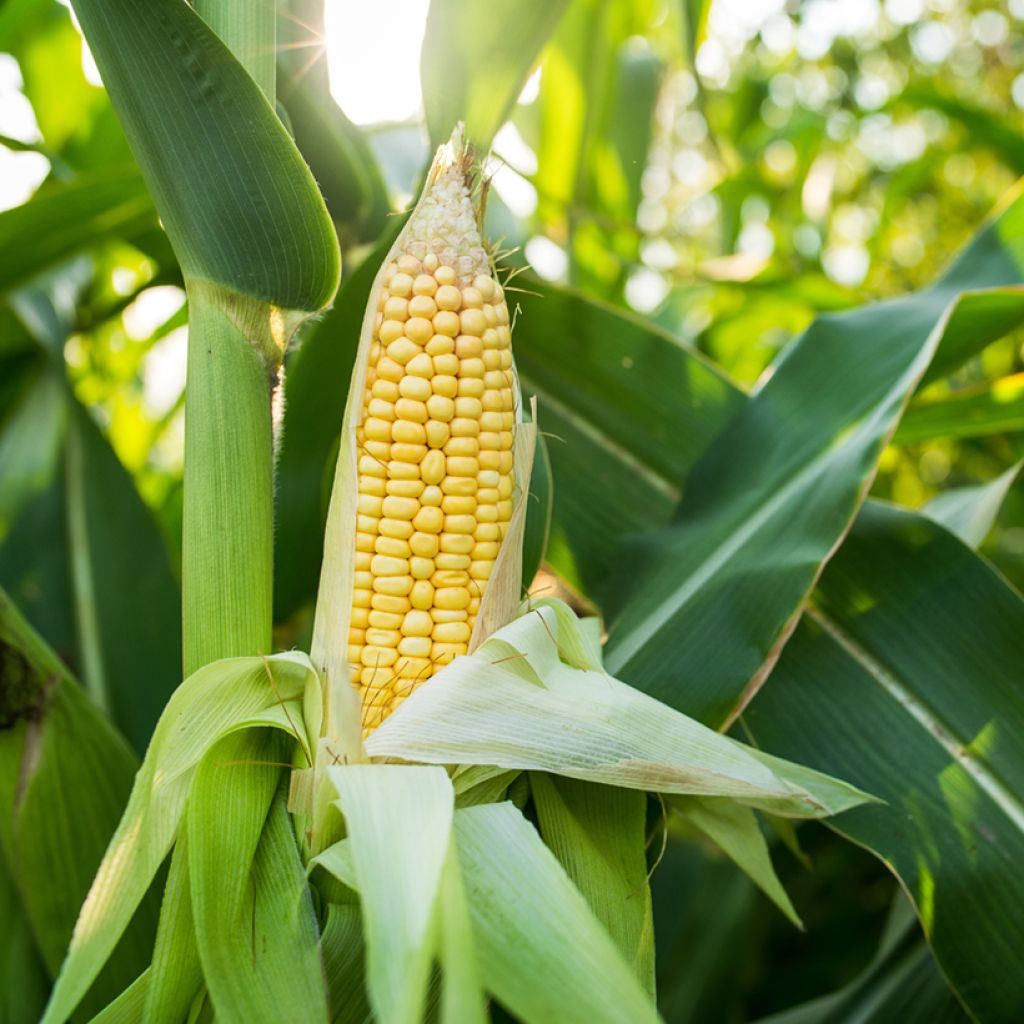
(730, 170)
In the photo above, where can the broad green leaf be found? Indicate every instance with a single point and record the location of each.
(541, 950)
(769, 501)
(93, 571)
(598, 835)
(65, 775)
(476, 59)
(916, 644)
(226, 178)
(255, 928)
(219, 699)
(901, 984)
(399, 820)
(529, 709)
(610, 480)
(315, 388)
(735, 830)
(626, 409)
(970, 512)
(90, 565)
(125, 597)
(995, 408)
(62, 220)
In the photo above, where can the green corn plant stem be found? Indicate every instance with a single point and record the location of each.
(228, 522)
(227, 570)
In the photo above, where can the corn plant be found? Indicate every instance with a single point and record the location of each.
(447, 802)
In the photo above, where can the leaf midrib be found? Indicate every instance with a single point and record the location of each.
(934, 725)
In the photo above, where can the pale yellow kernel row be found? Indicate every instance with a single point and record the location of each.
(435, 475)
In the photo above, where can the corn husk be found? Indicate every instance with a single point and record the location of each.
(341, 727)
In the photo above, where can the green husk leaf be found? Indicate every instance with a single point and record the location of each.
(399, 821)
(463, 1000)
(255, 927)
(583, 724)
(219, 699)
(344, 963)
(540, 949)
(735, 830)
(129, 1006)
(175, 977)
(598, 835)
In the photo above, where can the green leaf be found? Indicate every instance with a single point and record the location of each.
(228, 182)
(24, 983)
(65, 775)
(125, 597)
(703, 608)
(476, 59)
(255, 928)
(735, 830)
(598, 835)
(399, 820)
(541, 950)
(462, 996)
(129, 1006)
(93, 571)
(515, 703)
(538, 512)
(703, 908)
(994, 408)
(970, 512)
(219, 699)
(919, 643)
(62, 220)
(175, 976)
(626, 409)
(344, 963)
(901, 984)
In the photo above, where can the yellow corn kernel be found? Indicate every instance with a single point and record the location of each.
(435, 478)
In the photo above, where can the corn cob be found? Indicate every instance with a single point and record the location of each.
(434, 450)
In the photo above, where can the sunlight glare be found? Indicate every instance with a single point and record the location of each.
(373, 56)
